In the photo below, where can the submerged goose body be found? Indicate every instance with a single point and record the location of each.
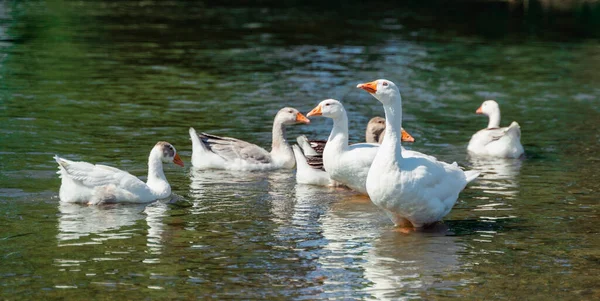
(83, 182)
(495, 141)
(414, 189)
(215, 152)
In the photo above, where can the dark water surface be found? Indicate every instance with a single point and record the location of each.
(102, 81)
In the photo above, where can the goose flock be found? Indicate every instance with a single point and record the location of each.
(414, 189)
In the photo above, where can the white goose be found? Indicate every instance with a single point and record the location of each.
(309, 154)
(308, 174)
(495, 141)
(84, 182)
(210, 151)
(414, 189)
(373, 134)
(346, 164)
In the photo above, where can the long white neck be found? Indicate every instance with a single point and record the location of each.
(494, 121)
(391, 145)
(338, 139)
(281, 152)
(156, 176)
(278, 141)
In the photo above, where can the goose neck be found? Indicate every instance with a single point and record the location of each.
(393, 127)
(339, 132)
(494, 119)
(156, 175)
(278, 141)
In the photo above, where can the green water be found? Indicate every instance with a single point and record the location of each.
(102, 81)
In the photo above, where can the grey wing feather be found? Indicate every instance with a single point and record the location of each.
(513, 130)
(231, 149)
(495, 134)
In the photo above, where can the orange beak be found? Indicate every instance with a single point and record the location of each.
(370, 87)
(302, 119)
(406, 137)
(177, 160)
(479, 111)
(315, 112)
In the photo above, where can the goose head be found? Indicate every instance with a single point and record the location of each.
(376, 125)
(376, 128)
(488, 107)
(289, 115)
(330, 108)
(384, 90)
(168, 153)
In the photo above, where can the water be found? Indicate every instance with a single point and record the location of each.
(102, 81)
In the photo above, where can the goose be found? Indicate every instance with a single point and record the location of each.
(306, 173)
(83, 182)
(215, 152)
(495, 141)
(375, 130)
(309, 154)
(414, 189)
(346, 164)
(373, 134)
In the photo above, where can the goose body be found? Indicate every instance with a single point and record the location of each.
(83, 182)
(310, 152)
(308, 174)
(413, 189)
(215, 152)
(346, 164)
(495, 141)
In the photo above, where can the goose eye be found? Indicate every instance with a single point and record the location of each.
(385, 84)
(290, 111)
(327, 104)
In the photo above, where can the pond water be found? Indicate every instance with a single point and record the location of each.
(102, 81)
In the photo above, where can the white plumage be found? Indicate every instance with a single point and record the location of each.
(495, 141)
(83, 182)
(414, 189)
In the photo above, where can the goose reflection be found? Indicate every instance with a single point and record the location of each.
(81, 225)
(358, 249)
(281, 196)
(155, 213)
(400, 266)
(221, 190)
(103, 222)
(498, 176)
(217, 183)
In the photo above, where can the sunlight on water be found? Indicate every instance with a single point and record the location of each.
(102, 81)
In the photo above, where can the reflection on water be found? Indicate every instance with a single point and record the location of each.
(155, 214)
(83, 225)
(356, 250)
(498, 176)
(79, 222)
(499, 184)
(403, 266)
(98, 80)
